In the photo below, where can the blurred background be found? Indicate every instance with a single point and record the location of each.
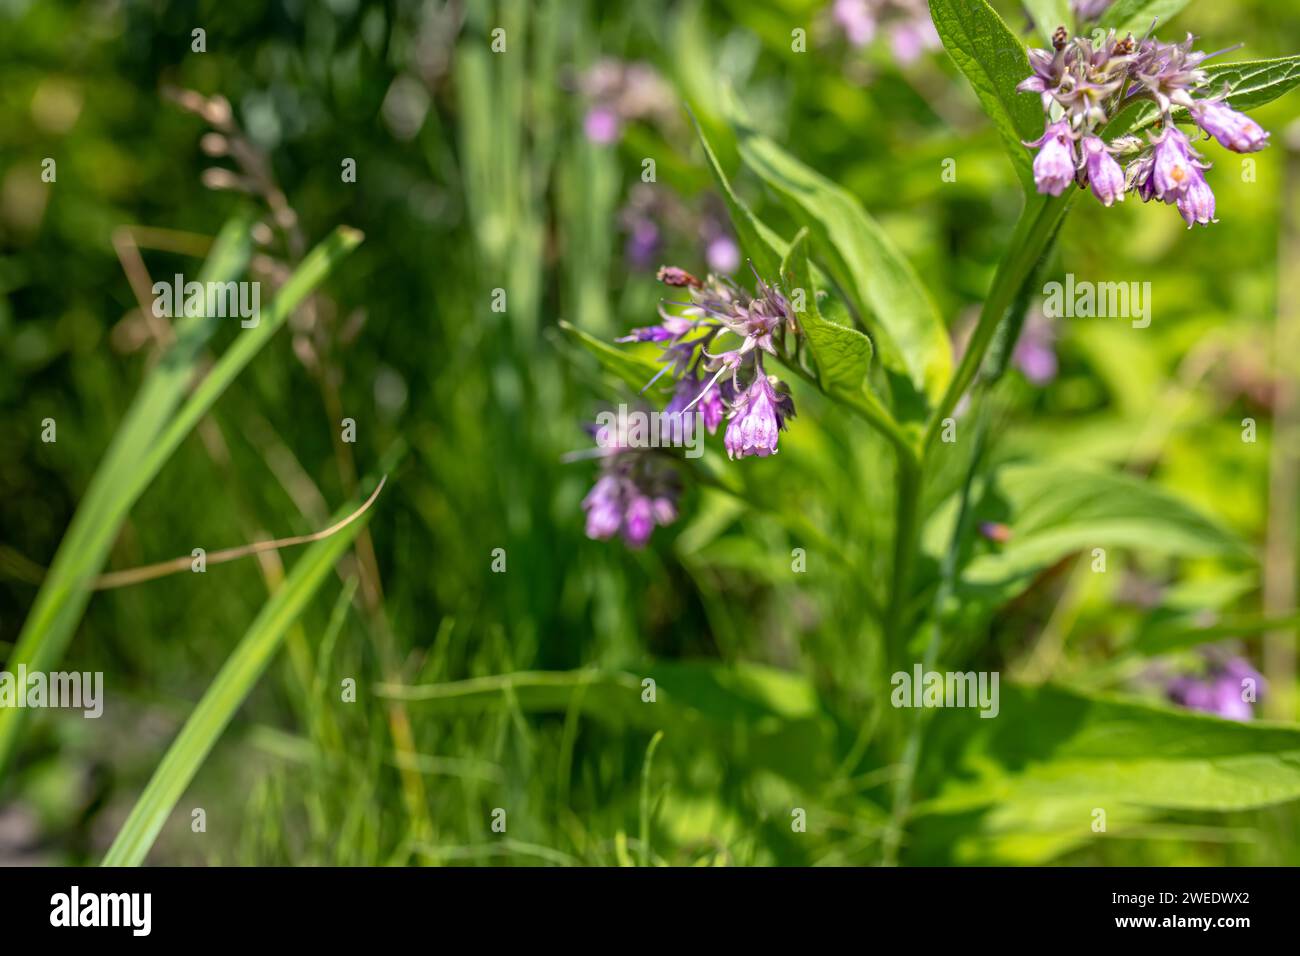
(523, 171)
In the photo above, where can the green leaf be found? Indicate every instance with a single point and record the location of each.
(1251, 84)
(633, 370)
(1169, 632)
(116, 485)
(1135, 16)
(152, 430)
(1022, 788)
(994, 62)
(759, 716)
(223, 697)
(910, 336)
(1050, 14)
(843, 354)
(1055, 510)
(1049, 745)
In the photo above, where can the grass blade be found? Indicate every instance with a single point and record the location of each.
(150, 433)
(232, 684)
(112, 491)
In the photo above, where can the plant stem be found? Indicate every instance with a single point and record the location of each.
(1033, 237)
(902, 796)
(907, 517)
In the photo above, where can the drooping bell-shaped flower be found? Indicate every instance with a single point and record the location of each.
(1104, 174)
(639, 520)
(757, 419)
(1237, 131)
(604, 508)
(1197, 203)
(1177, 165)
(1054, 167)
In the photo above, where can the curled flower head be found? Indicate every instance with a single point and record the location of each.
(1085, 82)
(638, 487)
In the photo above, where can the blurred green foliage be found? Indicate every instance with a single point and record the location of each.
(473, 175)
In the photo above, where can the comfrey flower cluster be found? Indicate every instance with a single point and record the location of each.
(1084, 85)
(911, 31)
(756, 405)
(619, 92)
(637, 490)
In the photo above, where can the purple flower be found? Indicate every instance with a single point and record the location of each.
(1104, 174)
(856, 19)
(1090, 9)
(604, 508)
(664, 510)
(602, 125)
(1035, 352)
(911, 31)
(1140, 176)
(639, 521)
(643, 243)
(1177, 166)
(757, 420)
(1085, 82)
(1054, 166)
(1197, 203)
(722, 254)
(1223, 691)
(635, 492)
(694, 398)
(911, 38)
(1237, 131)
(672, 327)
(1047, 66)
(705, 398)
(619, 92)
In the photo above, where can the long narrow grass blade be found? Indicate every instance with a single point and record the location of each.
(62, 598)
(232, 684)
(152, 430)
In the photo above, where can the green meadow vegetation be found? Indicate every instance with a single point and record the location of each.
(342, 566)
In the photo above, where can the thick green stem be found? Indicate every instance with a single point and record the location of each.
(1034, 235)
